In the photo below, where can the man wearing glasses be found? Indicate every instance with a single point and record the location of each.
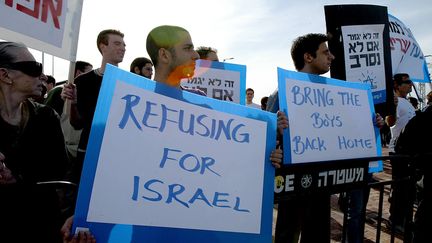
(404, 110)
(400, 197)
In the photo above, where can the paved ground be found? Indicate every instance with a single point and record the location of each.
(371, 213)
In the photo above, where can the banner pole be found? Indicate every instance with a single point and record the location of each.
(71, 77)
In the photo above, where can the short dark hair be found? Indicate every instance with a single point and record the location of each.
(139, 62)
(413, 101)
(250, 89)
(104, 36)
(50, 80)
(81, 65)
(164, 36)
(203, 51)
(398, 78)
(306, 44)
(264, 101)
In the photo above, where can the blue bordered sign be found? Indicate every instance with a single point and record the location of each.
(219, 80)
(329, 119)
(165, 165)
(407, 57)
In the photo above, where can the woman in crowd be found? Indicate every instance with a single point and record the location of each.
(31, 150)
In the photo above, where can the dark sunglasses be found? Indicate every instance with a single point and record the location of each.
(31, 68)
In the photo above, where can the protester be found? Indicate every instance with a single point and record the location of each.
(264, 103)
(404, 110)
(414, 102)
(173, 55)
(172, 52)
(415, 141)
(306, 217)
(249, 98)
(429, 102)
(142, 66)
(400, 200)
(50, 83)
(208, 53)
(40, 98)
(84, 93)
(27, 129)
(54, 99)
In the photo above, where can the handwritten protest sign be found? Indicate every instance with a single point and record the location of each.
(165, 165)
(51, 26)
(328, 119)
(364, 57)
(219, 80)
(407, 57)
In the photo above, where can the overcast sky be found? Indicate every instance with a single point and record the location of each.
(256, 33)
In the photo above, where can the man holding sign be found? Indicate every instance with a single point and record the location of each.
(171, 50)
(85, 90)
(308, 215)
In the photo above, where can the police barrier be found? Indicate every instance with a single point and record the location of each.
(336, 177)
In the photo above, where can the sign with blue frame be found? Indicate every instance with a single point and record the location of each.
(166, 165)
(329, 119)
(219, 80)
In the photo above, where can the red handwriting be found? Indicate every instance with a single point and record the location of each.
(404, 44)
(52, 6)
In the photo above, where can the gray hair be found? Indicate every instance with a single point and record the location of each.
(7, 51)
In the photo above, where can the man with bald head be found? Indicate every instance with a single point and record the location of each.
(173, 55)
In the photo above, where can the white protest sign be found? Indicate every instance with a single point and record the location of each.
(219, 80)
(51, 26)
(164, 177)
(328, 119)
(165, 160)
(407, 57)
(364, 57)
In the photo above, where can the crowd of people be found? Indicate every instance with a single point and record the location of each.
(60, 121)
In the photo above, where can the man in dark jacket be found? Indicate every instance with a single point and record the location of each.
(415, 141)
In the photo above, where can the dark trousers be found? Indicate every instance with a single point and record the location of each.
(356, 212)
(403, 193)
(424, 215)
(308, 216)
(421, 224)
(29, 213)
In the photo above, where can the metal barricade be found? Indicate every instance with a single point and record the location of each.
(292, 181)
